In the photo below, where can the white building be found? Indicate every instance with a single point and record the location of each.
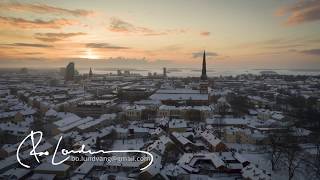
(134, 112)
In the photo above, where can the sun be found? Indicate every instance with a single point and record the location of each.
(90, 54)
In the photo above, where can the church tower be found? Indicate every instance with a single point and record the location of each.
(90, 72)
(204, 77)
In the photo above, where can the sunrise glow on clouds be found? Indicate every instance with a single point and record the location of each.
(284, 33)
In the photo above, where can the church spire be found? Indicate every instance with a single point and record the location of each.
(90, 72)
(204, 67)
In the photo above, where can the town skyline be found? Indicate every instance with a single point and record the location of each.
(166, 90)
(269, 34)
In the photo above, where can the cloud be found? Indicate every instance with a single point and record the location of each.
(283, 46)
(200, 54)
(155, 34)
(138, 62)
(53, 37)
(278, 43)
(116, 62)
(35, 24)
(42, 8)
(176, 31)
(104, 46)
(118, 25)
(29, 45)
(315, 52)
(205, 33)
(32, 53)
(301, 12)
(126, 61)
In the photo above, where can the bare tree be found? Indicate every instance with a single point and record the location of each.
(313, 162)
(276, 148)
(222, 109)
(317, 162)
(292, 155)
(285, 149)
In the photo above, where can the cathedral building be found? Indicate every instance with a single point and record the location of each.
(204, 77)
(185, 96)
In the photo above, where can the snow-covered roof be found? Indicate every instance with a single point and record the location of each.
(9, 148)
(179, 97)
(181, 138)
(188, 161)
(28, 112)
(156, 165)
(222, 99)
(51, 112)
(95, 102)
(8, 114)
(173, 170)
(59, 96)
(254, 173)
(159, 145)
(21, 128)
(177, 123)
(227, 121)
(47, 166)
(15, 173)
(72, 134)
(157, 131)
(138, 129)
(300, 131)
(148, 102)
(75, 124)
(178, 94)
(200, 108)
(70, 118)
(11, 160)
(37, 176)
(240, 158)
(96, 121)
(84, 168)
(178, 91)
(277, 115)
(8, 162)
(210, 138)
(135, 107)
(148, 125)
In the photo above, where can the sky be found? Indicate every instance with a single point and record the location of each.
(234, 33)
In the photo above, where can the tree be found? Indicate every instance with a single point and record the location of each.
(122, 119)
(313, 162)
(66, 143)
(193, 115)
(4, 137)
(285, 149)
(113, 134)
(239, 104)
(171, 154)
(292, 155)
(38, 123)
(316, 163)
(98, 143)
(276, 145)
